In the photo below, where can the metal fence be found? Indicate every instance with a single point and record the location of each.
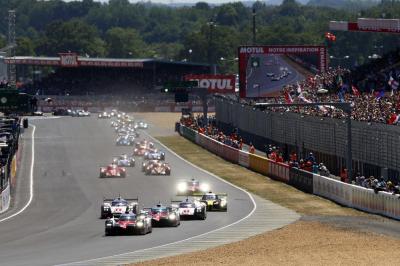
(375, 147)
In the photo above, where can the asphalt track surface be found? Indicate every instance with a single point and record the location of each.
(259, 84)
(62, 224)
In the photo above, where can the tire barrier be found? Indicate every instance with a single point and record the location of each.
(353, 196)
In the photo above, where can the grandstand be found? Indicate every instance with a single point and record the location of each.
(99, 76)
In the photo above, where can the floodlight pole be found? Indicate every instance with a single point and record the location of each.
(346, 107)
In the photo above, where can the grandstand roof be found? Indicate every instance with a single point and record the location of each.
(77, 61)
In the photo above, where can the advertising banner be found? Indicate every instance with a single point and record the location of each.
(244, 159)
(215, 83)
(259, 164)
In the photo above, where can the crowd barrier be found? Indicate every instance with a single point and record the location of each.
(345, 194)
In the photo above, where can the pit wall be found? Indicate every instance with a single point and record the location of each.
(360, 198)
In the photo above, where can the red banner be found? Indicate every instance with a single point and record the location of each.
(215, 83)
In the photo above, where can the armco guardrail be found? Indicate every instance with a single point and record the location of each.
(345, 194)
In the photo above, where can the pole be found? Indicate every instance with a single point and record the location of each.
(254, 25)
(349, 161)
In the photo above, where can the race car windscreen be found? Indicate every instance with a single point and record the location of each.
(186, 205)
(119, 203)
(209, 197)
(127, 218)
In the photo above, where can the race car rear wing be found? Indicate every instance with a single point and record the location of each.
(198, 195)
(127, 199)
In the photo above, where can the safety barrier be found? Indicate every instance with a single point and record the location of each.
(300, 179)
(244, 158)
(357, 197)
(279, 171)
(345, 194)
(5, 198)
(259, 164)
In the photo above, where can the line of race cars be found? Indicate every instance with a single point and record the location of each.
(123, 215)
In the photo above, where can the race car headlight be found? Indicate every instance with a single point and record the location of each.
(198, 209)
(142, 216)
(223, 203)
(139, 224)
(172, 216)
(204, 187)
(108, 225)
(182, 187)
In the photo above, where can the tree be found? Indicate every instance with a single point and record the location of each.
(72, 36)
(25, 47)
(123, 43)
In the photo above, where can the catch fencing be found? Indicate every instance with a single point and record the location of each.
(367, 200)
(375, 146)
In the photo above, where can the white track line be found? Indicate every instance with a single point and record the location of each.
(30, 179)
(186, 239)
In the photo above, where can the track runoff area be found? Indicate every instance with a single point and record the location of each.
(60, 221)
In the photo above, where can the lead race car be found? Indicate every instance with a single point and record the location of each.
(158, 168)
(116, 207)
(191, 187)
(124, 141)
(129, 223)
(164, 215)
(112, 170)
(124, 160)
(215, 201)
(191, 209)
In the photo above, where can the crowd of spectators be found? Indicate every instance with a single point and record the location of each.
(372, 90)
(234, 140)
(377, 184)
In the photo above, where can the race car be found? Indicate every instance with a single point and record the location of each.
(116, 207)
(270, 74)
(104, 115)
(124, 141)
(112, 170)
(148, 163)
(158, 169)
(164, 215)
(154, 155)
(191, 187)
(144, 144)
(129, 223)
(82, 113)
(141, 125)
(124, 160)
(192, 209)
(215, 202)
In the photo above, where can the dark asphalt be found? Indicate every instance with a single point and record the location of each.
(259, 84)
(62, 224)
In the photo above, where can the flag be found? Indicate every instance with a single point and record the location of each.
(379, 94)
(355, 90)
(394, 84)
(394, 118)
(301, 97)
(339, 81)
(299, 90)
(341, 96)
(288, 98)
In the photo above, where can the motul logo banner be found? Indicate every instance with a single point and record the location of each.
(215, 83)
(69, 60)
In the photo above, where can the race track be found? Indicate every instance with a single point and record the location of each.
(62, 223)
(258, 84)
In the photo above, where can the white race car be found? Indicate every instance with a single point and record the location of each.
(116, 207)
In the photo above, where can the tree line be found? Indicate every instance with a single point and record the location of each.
(200, 33)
